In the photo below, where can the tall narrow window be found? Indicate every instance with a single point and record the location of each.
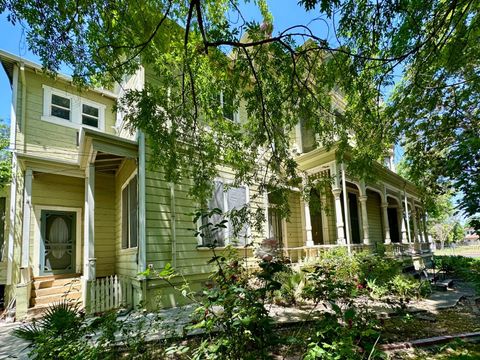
(130, 214)
(90, 115)
(60, 107)
(235, 198)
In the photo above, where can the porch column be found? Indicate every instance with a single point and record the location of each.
(407, 218)
(415, 229)
(386, 225)
(308, 224)
(425, 230)
(403, 226)
(27, 210)
(338, 216)
(89, 260)
(363, 205)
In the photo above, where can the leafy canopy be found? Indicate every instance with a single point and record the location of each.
(195, 50)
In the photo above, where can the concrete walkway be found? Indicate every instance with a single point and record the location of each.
(12, 347)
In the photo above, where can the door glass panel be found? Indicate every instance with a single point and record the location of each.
(59, 243)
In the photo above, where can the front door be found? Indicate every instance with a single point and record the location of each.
(58, 242)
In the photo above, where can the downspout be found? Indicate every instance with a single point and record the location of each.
(13, 187)
(173, 225)
(345, 209)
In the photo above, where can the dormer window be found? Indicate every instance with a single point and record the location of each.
(63, 108)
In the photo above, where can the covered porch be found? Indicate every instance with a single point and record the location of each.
(384, 216)
(71, 225)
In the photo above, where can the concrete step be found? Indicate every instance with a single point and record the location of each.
(56, 298)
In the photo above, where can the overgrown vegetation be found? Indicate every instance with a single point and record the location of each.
(64, 333)
(465, 268)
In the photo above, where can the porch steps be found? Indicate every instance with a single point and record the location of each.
(48, 290)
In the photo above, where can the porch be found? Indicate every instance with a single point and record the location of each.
(79, 227)
(341, 211)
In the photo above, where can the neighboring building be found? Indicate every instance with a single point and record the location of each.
(84, 205)
(471, 236)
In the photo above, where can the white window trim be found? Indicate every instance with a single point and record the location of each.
(76, 103)
(236, 114)
(124, 185)
(228, 230)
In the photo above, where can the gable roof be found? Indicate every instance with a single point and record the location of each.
(9, 61)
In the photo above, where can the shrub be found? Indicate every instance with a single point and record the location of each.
(345, 334)
(292, 284)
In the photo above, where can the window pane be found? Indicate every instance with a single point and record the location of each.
(61, 113)
(125, 218)
(61, 101)
(90, 110)
(133, 204)
(90, 121)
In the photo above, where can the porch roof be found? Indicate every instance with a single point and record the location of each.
(104, 150)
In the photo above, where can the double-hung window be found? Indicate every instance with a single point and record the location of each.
(60, 107)
(130, 214)
(227, 199)
(64, 108)
(90, 115)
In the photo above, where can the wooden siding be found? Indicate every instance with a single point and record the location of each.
(46, 139)
(10, 290)
(126, 259)
(294, 236)
(50, 190)
(105, 224)
(374, 213)
(187, 258)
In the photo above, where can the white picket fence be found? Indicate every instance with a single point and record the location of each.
(111, 292)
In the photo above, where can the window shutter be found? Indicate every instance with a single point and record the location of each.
(125, 218)
(236, 199)
(133, 205)
(216, 202)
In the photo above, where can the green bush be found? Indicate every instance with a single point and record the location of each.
(345, 334)
(292, 284)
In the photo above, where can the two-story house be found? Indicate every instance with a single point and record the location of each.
(85, 213)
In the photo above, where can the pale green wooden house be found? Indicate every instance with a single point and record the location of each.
(85, 213)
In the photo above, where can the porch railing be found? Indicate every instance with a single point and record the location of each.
(111, 292)
(304, 253)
